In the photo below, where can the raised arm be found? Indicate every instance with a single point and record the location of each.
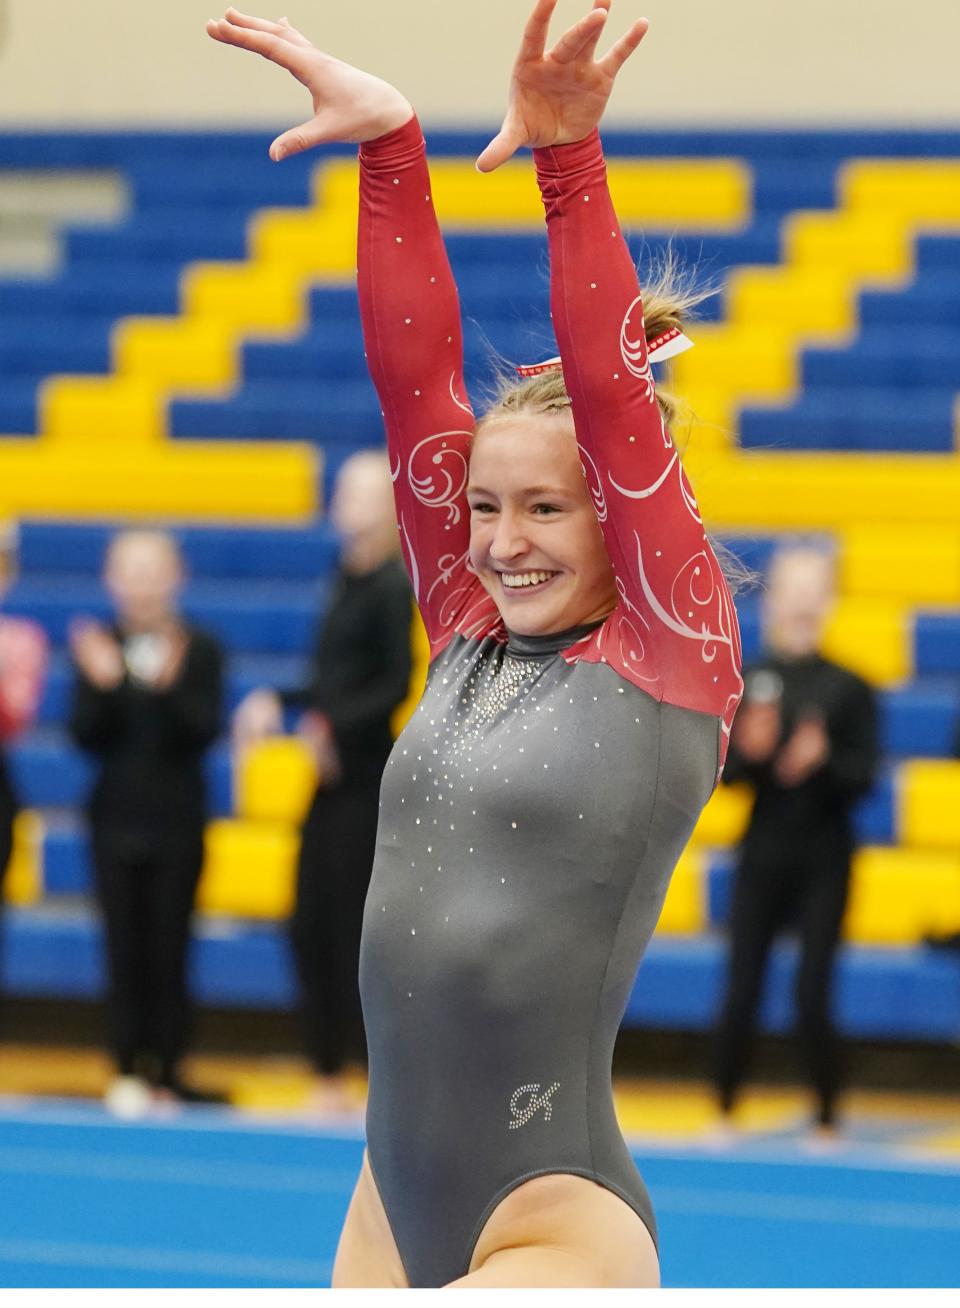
(411, 317)
(675, 632)
(411, 327)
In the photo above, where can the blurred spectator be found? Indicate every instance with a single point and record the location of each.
(147, 703)
(805, 738)
(360, 674)
(23, 666)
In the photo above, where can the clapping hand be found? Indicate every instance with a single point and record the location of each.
(805, 752)
(97, 654)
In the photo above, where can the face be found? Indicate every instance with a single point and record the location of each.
(143, 575)
(799, 598)
(535, 542)
(362, 510)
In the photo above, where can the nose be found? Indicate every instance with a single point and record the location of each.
(509, 540)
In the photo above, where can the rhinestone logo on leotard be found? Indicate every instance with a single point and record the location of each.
(533, 1105)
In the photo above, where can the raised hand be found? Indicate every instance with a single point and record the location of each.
(348, 104)
(560, 95)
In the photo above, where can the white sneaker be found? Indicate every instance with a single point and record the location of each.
(128, 1097)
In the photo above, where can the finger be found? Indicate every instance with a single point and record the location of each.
(301, 138)
(589, 47)
(291, 33)
(272, 47)
(503, 147)
(534, 38)
(619, 53)
(255, 24)
(572, 42)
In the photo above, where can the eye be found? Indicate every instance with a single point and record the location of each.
(543, 509)
(482, 506)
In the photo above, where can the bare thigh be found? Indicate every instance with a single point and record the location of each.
(562, 1230)
(367, 1254)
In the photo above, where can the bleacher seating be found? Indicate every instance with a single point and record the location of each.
(200, 362)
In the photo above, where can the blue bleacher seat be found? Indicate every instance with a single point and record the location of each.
(118, 288)
(906, 993)
(18, 406)
(932, 300)
(256, 616)
(287, 553)
(175, 234)
(851, 418)
(222, 184)
(888, 358)
(920, 719)
(938, 254)
(47, 772)
(31, 347)
(67, 868)
(937, 642)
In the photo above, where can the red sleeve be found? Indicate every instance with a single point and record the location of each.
(674, 632)
(23, 669)
(411, 327)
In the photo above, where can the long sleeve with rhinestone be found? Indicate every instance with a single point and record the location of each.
(677, 626)
(411, 325)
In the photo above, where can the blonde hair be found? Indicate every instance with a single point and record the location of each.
(670, 300)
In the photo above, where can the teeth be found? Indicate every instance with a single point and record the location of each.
(516, 580)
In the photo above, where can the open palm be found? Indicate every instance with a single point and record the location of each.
(559, 95)
(348, 104)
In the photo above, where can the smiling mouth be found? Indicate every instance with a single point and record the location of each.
(525, 583)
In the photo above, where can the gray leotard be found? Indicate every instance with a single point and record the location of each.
(531, 814)
(534, 807)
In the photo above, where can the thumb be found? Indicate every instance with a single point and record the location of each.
(296, 140)
(503, 146)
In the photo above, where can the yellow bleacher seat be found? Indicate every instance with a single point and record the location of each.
(898, 895)
(929, 803)
(820, 303)
(119, 409)
(925, 191)
(872, 637)
(24, 882)
(685, 908)
(249, 869)
(420, 651)
(260, 297)
(915, 563)
(808, 492)
(702, 194)
(215, 480)
(874, 246)
(749, 362)
(724, 820)
(318, 245)
(199, 355)
(274, 780)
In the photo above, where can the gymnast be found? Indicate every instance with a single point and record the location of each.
(585, 672)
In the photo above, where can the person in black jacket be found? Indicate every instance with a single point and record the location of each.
(805, 737)
(147, 703)
(360, 674)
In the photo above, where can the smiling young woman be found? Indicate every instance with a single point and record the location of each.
(585, 672)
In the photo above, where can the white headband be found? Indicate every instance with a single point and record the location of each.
(662, 347)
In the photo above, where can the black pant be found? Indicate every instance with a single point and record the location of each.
(146, 898)
(773, 890)
(333, 875)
